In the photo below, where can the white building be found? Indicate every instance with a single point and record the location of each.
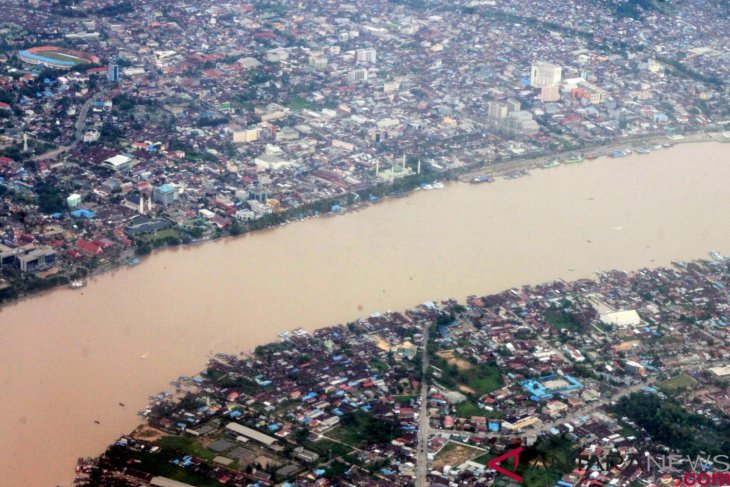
(245, 136)
(366, 56)
(118, 163)
(545, 74)
(622, 319)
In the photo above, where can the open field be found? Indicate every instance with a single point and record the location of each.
(454, 453)
(677, 382)
(461, 363)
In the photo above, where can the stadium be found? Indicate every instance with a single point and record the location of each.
(56, 57)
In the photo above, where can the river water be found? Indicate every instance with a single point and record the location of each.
(70, 357)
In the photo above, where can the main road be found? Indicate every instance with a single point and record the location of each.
(424, 427)
(78, 135)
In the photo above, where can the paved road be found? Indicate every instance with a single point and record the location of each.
(424, 428)
(79, 126)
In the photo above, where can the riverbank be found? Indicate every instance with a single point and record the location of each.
(353, 202)
(596, 151)
(70, 357)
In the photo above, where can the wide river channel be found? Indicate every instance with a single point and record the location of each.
(69, 357)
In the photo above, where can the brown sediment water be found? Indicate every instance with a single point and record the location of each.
(69, 357)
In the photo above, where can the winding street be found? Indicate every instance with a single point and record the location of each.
(79, 135)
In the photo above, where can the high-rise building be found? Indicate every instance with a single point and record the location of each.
(164, 195)
(544, 74)
(366, 55)
(112, 73)
(549, 93)
(358, 75)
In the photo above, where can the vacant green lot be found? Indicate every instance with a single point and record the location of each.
(161, 236)
(562, 321)
(454, 453)
(326, 447)
(675, 383)
(186, 445)
(478, 379)
(360, 429)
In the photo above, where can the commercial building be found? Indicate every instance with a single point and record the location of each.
(73, 200)
(118, 163)
(544, 387)
(622, 319)
(113, 71)
(251, 434)
(358, 75)
(521, 122)
(164, 195)
(549, 93)
(366, 56)
(245, 136)
(36, 259)
(545, 74)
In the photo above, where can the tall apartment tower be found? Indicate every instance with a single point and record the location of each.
(545, 74)
(112, 73)
(366, 56)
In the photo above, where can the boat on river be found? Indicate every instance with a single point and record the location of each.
(482, 179)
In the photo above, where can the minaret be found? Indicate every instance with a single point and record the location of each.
(25, 141)
(419, 165)
(377, 168)
(404, 161)
(141, 204)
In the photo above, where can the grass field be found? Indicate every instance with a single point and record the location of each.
(326, 447)
(61, 57)
(161, 235)
(185, 445)
(675, 383)
(468, 409)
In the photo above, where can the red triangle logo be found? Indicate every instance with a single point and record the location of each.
(494, 463)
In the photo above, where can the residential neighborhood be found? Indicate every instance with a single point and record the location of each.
(542, 367)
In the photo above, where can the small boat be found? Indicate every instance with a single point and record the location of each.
(590, 157)
(618, 153)
(133, 262)
(77, 284)
(717, 256)
(550, 164)
(426, 186)
(573, 160)
(643, 150)
(438, 185)
(482, 179)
